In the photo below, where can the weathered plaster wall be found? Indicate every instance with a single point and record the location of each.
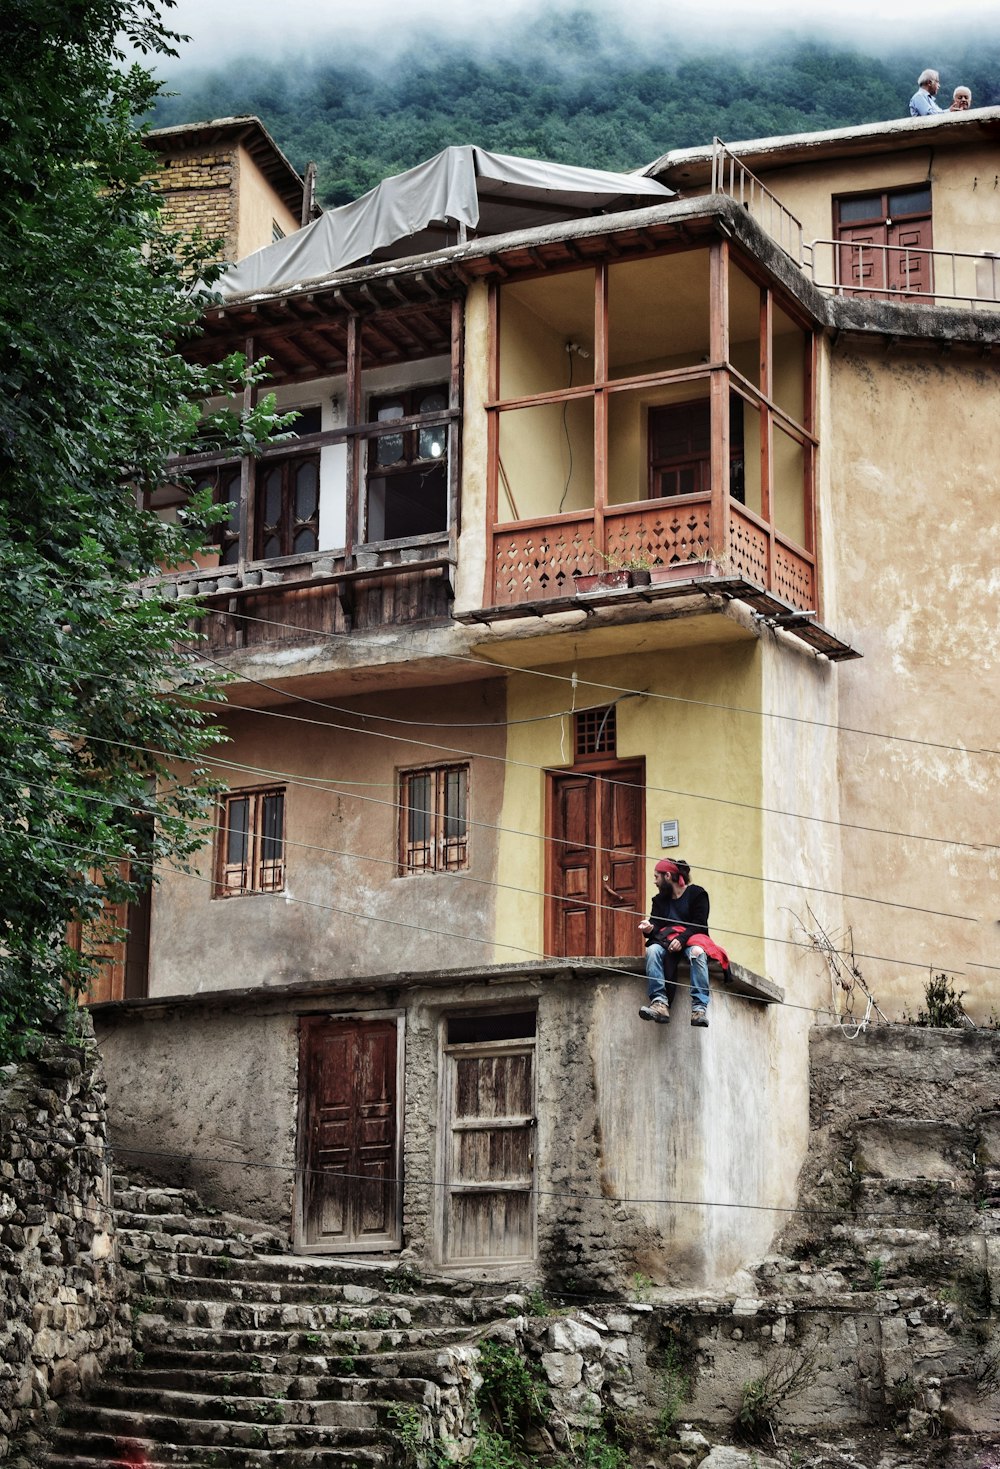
(912, 444)
(696, 756)
(218, 1081)
(258, 208)
(344, 910)
(966, 207)
(63, 1312)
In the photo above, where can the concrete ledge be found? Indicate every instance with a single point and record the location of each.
(489, 976)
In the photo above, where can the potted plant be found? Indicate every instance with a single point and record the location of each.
(693, 569)
(617, 572)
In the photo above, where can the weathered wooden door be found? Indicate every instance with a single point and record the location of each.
(595, 867)
(885, 243)
(489, 1117)
(349, 1191)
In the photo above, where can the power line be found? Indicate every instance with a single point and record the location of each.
(399, 806)
(730, 932)
(619, 689)
(590, 775)
(521, 948)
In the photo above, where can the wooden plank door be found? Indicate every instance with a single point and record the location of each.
(595, 868)
(349, 1194)
(910, 273)
(489, 1198)
(858, 266)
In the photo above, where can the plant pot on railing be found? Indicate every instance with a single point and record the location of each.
(686, 570)
(611, 579)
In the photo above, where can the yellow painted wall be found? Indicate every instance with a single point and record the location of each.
(965, 205)
(474, 537)
(691, 752)
(258, 208)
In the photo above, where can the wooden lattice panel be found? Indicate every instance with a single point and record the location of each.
(661, 536)
(748, 548)
(540, 561)
(794, 578)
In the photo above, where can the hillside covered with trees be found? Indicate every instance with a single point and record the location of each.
(564, 87)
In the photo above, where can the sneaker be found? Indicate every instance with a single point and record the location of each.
(699, 1017)
(659, 1011)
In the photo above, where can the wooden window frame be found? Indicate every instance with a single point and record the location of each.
(286, 528)
(411, 460)
(255, 874)
(443, 854)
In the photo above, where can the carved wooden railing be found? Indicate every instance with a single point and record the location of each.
(536, 560)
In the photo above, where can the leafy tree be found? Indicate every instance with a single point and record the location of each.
(95, 696)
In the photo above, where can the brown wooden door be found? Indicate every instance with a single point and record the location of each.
(895, 226)
(490, 1130)
(595, 868)
(348, 1157)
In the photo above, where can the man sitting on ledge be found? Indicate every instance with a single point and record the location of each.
(678, 924)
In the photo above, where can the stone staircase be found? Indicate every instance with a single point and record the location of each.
(246, 1355)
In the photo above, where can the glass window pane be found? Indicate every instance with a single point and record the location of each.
(788, 365)
(788, 494)
(454, 803)
(306, 490)
(658, 315)
(537, 320)
(864, 207)
(305, 540)
(271, 827)
(432, 443)
(309, 421)
(910, 201)
(419, 808)
(237, 813)
(389, 448)
(546, 460)
(272, 496)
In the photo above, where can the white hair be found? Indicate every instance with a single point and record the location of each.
(927, 75)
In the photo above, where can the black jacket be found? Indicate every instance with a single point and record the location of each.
(689, 910)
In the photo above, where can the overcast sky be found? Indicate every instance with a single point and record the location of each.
(226, 28)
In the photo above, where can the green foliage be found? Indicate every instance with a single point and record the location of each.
(783, 1378)
(103, 734)
(944, 1004)
(562, 85)
(592, 1449)
(675, 1389)
(511, 1392)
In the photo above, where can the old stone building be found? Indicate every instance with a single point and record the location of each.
(629, 516)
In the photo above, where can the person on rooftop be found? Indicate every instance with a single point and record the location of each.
(923, 102)
(961, 100)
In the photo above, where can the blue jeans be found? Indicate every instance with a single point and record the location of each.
(657, 957)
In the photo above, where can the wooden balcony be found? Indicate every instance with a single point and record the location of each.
(296, 598)
(536, 560)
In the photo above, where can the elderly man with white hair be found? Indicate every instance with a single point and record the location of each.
(922, 103)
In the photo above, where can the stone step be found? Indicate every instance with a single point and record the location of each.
(318, 1412)
(387, 1278)
(198, 1226)
(335, 1318)
(310, 1367)
(287, 1385)
(106, 1451)
(168, 1432)
(328, 1301)
(154, 1200)
(156, 1332)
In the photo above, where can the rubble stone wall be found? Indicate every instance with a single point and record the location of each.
(63, 1312)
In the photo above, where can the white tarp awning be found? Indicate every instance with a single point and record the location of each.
(465, 187)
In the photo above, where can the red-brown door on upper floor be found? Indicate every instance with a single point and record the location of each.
(885, 239)
(349, 1192)
(595, 860)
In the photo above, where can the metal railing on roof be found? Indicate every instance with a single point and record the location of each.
(904, 274)
(733, 178)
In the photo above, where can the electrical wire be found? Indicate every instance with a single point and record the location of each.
(400, 806)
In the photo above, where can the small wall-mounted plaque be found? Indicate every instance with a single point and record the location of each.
(670, 834)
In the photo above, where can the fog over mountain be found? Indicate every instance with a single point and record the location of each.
(367, 92)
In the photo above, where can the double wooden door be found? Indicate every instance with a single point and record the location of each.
(596, 843)
(349, 1186)
(895, 227)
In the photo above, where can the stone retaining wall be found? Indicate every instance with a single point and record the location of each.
(63, 1313)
